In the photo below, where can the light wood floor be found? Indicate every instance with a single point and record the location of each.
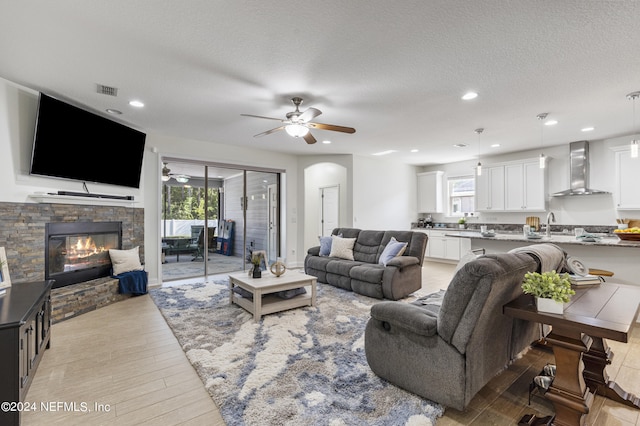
(125, 358)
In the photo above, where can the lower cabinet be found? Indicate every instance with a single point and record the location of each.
(441, 246)
(25, 333)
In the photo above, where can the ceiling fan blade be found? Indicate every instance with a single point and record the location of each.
(268, 132)
(309, 138)
(332, 127)
(260, 116)
(309, 114)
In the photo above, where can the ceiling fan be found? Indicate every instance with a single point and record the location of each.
(297, 123)
(167, 175)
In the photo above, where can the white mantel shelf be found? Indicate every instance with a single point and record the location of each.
(70, 199)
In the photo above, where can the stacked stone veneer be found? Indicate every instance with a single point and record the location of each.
(76, 299)
(22, 234)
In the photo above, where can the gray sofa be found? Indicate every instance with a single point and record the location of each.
(447, 346)
(401, 276)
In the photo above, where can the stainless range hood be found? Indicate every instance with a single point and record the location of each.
(579, 171)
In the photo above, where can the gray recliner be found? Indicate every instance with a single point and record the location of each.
(446, 349)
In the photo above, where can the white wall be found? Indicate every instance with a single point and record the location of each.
(384, 194)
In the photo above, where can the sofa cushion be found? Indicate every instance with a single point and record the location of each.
(367, 273)
(342, 247)
(341, 266)
(393, 248)
(367, 247)
(318, 263)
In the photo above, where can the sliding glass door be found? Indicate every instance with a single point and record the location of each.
(214, 217)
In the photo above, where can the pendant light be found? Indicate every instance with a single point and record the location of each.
(634, 142)
(479, 166)
(543, 159)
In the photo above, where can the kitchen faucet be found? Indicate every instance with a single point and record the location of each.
(550, 218)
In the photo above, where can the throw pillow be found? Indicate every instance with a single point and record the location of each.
(393, 248)
(125, 260)
(342, 247)
(325, 245)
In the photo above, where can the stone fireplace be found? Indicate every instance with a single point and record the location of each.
(79, 251)
(23, 228)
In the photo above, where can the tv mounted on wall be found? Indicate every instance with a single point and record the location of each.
(74, 143)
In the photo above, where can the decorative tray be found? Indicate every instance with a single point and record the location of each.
(628, 236)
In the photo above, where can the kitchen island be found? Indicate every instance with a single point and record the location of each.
(609, 252)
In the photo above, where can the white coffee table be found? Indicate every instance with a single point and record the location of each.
(264, 301)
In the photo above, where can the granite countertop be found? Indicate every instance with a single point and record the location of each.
(605, 240)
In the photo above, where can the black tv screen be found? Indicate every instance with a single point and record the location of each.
(73, 143)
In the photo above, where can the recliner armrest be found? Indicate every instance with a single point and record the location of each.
(314, 251)
(403, 261)
(405, 316)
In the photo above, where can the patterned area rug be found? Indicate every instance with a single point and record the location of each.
(304, 366)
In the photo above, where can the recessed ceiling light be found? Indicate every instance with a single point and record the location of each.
(414, 150)
(588, 129)
(551, 122)
(326, 142)
(113, 111)
(460, 145)
(385, 152)
(495, 145)
(469, 95)
(136, 104)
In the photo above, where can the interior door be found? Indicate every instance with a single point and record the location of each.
(274, 220)
(329, 209)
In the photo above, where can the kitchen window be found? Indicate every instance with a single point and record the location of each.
(461, 195)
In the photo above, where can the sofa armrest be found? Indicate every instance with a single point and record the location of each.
(405, 316)
(314, 251)
(403, 261)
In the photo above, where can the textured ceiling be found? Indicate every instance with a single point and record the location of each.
(393, 70)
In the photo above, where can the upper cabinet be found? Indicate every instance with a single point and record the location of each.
(430, 192)
(627, 178)
(490, 189)
(512, 187)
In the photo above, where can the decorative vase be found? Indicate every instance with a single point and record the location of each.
(278, 268)
(461, 225)
(257, 272)
(549, 306)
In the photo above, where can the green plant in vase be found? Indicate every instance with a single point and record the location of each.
(462, 222)
(548, 285)
(255, 260)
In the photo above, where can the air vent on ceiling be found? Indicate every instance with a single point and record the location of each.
(107, 90)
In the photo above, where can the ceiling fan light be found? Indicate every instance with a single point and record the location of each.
(297, 130)
(182, 178)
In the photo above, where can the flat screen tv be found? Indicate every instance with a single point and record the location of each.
(74, 143)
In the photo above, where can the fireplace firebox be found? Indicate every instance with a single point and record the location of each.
(79, 251)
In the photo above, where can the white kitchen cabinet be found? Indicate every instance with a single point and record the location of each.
(525, 186)
(513, 186)
(490, 189)
(430, 192)
(627, 193)
(440, 246)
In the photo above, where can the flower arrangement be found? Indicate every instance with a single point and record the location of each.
(548, 285)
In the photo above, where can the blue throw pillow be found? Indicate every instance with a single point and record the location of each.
(394, 248)
(325, 245)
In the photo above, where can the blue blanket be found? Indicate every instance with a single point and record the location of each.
(133, 282)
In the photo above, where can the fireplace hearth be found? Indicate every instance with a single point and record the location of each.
(79, 251)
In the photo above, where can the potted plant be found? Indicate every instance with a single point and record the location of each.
(550, 289)
(256, 271)
(462, 222)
